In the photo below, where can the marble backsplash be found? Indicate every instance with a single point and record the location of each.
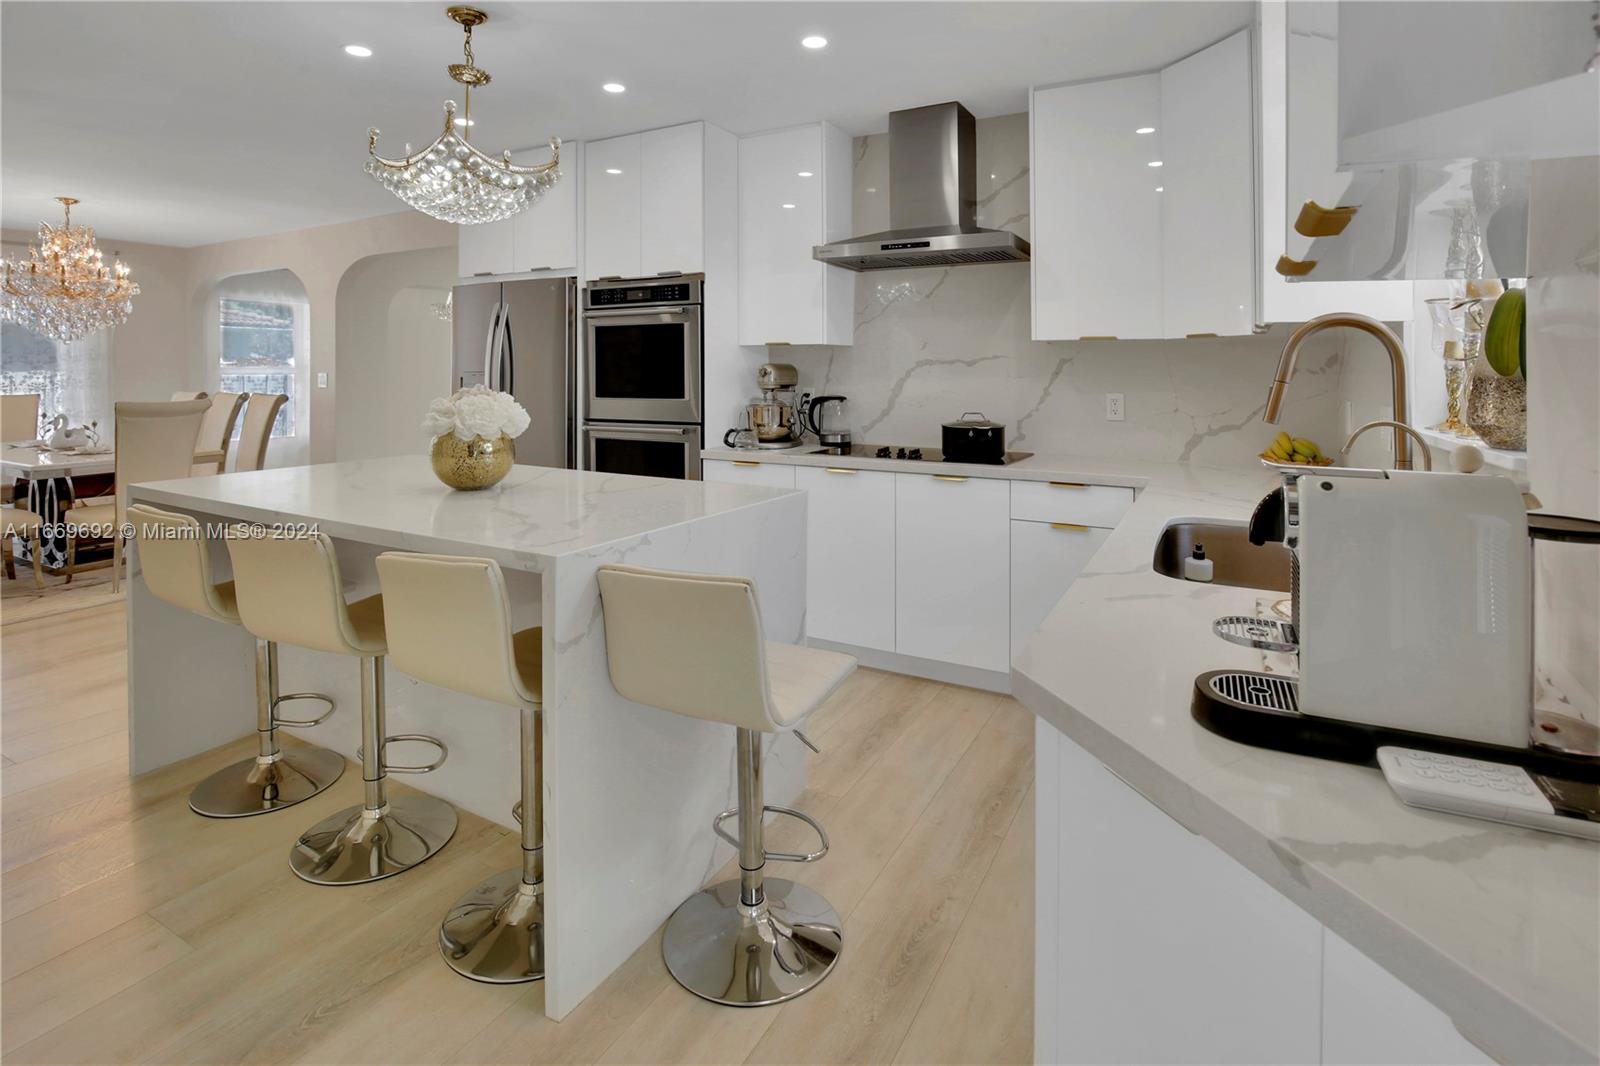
(930, 344)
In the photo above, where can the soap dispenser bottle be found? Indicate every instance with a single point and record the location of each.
(1197, 567)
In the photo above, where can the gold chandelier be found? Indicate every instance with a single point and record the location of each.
(64, 290)
(450, 179)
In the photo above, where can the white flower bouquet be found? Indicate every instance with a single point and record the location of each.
(475, 411)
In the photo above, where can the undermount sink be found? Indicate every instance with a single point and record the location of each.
(1235, 561)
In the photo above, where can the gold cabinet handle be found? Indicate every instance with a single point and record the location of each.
(1315, 220)
(1067, 485)
(948, 477)
(1097, 337)
(1294, 268)
(1196, 336)
(1072, 526)
(838, 470)
(745, 462)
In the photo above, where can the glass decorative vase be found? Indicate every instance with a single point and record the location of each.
(1497, 407)
(1449, 320)
(472, 464)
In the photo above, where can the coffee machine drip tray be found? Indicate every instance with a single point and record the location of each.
(1263, 710)
(767, 445)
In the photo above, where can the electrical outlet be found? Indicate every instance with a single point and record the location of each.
(1113, 407)
(322, 380)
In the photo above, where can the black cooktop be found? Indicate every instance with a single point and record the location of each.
(925, 453)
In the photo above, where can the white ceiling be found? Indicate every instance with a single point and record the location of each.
(189, 123)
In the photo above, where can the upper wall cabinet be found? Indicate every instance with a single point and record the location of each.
(543, 237)
(794, 193)
(645, 206)
(1143, 202)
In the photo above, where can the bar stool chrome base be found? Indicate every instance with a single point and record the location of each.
(495, 933)
(358, 844)
(752, 956)
(257, 786)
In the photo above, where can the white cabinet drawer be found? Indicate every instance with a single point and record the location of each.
(952, 570)
(1062, 501)
(849, 555)
(749, 472)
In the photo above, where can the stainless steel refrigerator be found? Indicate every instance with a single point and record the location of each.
(521, 337)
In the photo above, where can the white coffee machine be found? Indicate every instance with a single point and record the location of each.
(1412, 600)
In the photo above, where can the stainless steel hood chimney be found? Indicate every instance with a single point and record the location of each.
(933, 200)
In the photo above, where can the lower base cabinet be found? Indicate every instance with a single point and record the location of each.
(952, 572)
(742, 472)
(1155, 946)
(1046, 557)
(850, 570)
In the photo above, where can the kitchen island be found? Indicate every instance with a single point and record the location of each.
(629, 791)
(1200, 900)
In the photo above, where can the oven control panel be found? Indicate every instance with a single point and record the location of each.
(627, 293)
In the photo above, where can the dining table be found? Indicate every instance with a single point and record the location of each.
(48, 480)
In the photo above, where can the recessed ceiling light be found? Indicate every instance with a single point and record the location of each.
(1161, 188)
(613, 170)
(805, 174)
(614, 87)
(1153, 163)
(814, 41)
(871, 188)
(788, 207)
(466, 122)
(1145, 129)
(360, 51)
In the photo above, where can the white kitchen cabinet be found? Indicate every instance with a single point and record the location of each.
(952, 580)
(749, 472)
(545, 236)
(1370, 1016)
(542, 237)
(1166, 950)
(794, 193)
(1097, 259)
(1045, 558)
(672, 200)
(485, 249)
(611, 208)
(647, 199)
(1307, 118)
(1208, 221)
(850, 545)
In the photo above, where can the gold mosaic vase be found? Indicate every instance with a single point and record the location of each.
(472, 464)
(1497, 408)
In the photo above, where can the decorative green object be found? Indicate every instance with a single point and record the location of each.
(1505, 342)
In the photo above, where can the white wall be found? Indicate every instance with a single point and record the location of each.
(392, 351)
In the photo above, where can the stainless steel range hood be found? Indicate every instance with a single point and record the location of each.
(933, 200)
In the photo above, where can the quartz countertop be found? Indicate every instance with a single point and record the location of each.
(536, 514)
(1126, 473)
(1497, 926)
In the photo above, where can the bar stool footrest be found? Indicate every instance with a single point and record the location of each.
(302, 723)
(421, 738)
(777, 856)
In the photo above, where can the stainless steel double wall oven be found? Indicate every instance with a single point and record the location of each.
(643, 408)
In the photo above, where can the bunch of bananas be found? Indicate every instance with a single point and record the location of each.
(1287, 449)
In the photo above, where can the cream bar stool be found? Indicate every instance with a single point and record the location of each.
(494, 933)
(176, 564)
(288, 590)
(692, 644)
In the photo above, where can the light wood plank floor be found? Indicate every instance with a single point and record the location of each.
(135, 931)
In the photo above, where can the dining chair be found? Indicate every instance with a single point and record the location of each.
(189, 395)
(155, 442)
(19, 416)
(21, 522)
(259, 413)
(216, 432)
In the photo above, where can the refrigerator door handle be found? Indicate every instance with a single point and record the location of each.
(506, 356)
(488, 347)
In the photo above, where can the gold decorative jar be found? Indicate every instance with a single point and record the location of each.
(472, 464)
(1497, 407)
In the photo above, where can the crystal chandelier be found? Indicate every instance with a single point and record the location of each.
(450, 179)
(64, 290)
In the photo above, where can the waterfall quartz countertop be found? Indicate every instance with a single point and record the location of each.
(1497, 926)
